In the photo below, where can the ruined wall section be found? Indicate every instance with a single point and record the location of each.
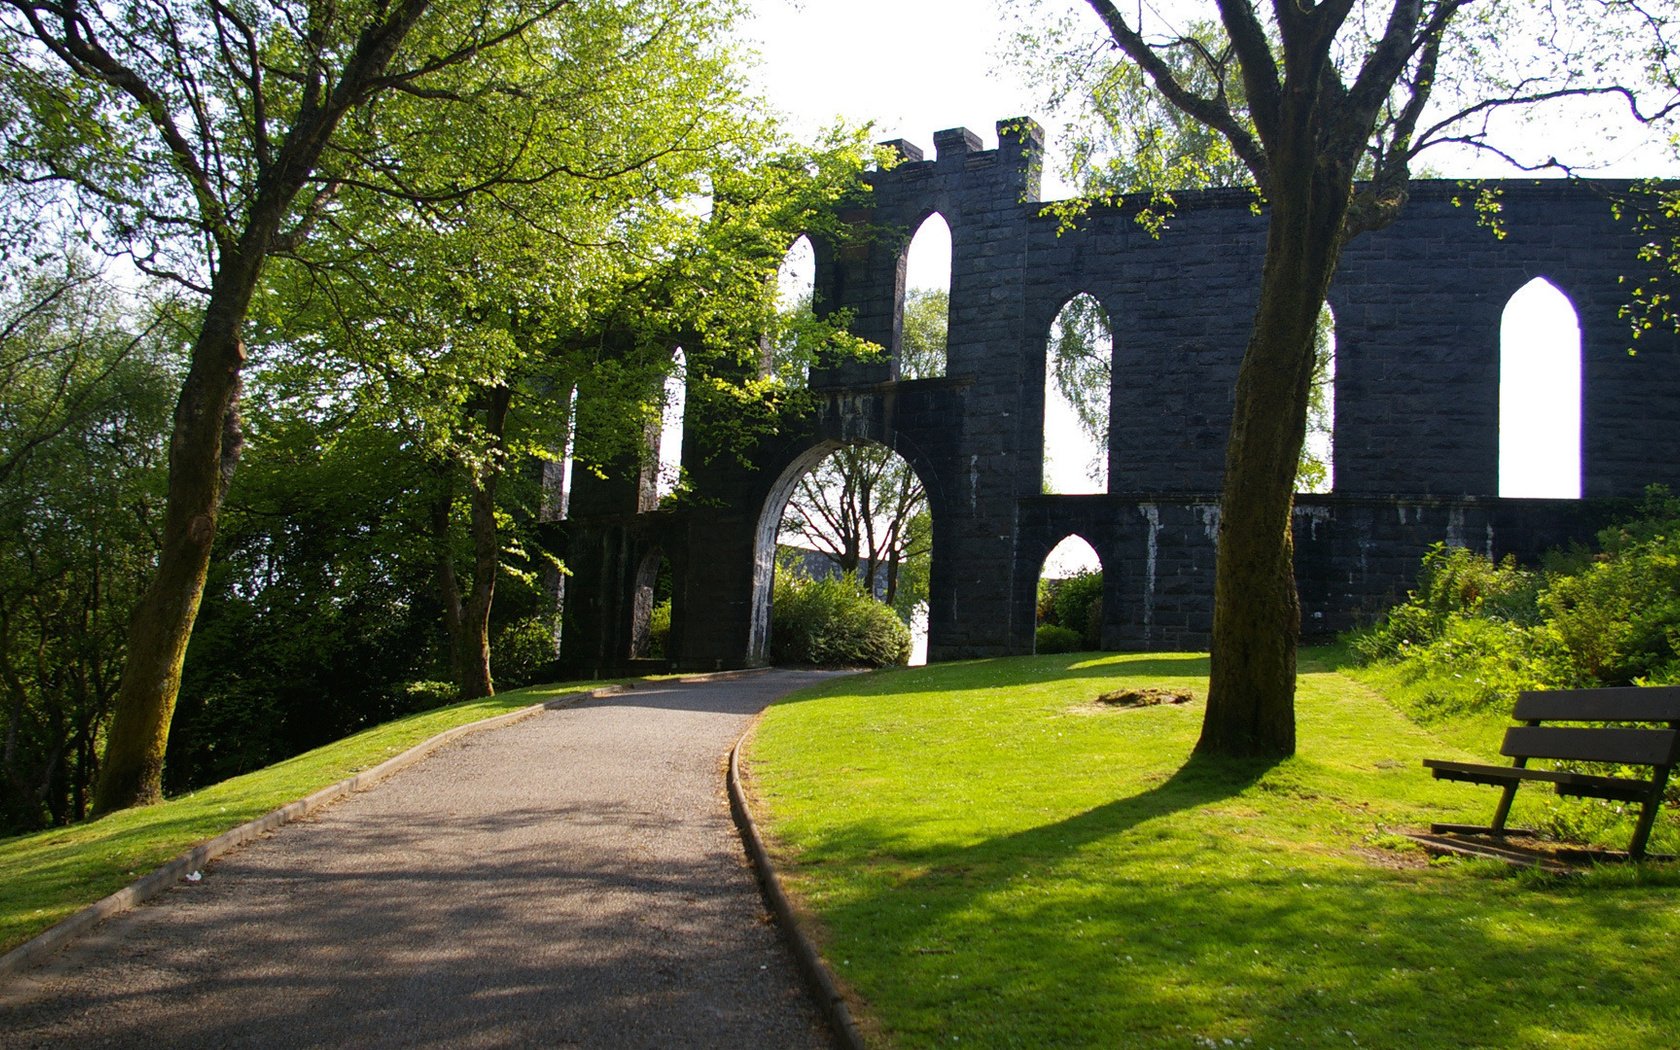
(1417, 309)
(963, 432)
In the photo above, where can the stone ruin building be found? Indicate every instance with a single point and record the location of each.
(1417, 310)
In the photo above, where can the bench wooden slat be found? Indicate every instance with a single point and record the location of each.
(1619, 789)
(1623, 704)
(1642, 747)
(1568, 782)
(1482, 773)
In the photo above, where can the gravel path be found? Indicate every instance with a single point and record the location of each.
(570, 880)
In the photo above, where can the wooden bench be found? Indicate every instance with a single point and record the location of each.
(1610, 740)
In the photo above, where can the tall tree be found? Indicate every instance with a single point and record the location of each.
(466, 323)
(205, 135)
(460, 309)
(1310, 97)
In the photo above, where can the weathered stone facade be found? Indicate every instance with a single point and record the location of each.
(1417, 309)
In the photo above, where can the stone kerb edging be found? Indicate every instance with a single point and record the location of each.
(816, 972)
(150, 885)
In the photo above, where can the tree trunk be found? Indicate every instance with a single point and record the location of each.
(448, 583)
(203, 449)
(1256, 610)
(469, 619)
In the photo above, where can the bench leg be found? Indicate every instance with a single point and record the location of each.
(1642, 830)
(1504, 808)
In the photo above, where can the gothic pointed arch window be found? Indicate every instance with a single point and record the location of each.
(1069, 600)
(1540, 394)
(925, 312)
(672, 411)
(788, 353)
(1078, 376)
(1317, 470)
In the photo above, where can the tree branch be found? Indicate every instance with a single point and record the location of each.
(1215, 113)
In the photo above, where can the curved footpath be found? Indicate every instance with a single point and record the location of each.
(572, 879)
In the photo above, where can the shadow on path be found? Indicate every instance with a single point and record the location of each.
(571, 880)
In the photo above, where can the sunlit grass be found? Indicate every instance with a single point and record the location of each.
(990, 859)
(49, 875)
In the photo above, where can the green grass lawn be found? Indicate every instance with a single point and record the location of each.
(991, 859)
(51, 874)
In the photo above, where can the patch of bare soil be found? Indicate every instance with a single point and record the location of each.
(1146, 697)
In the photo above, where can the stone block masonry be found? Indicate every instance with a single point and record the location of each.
(1417, 310)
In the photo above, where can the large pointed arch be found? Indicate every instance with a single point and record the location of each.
(889, 560)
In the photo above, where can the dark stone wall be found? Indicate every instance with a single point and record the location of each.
(1417, 309)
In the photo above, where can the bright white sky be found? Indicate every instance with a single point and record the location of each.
(912, 67)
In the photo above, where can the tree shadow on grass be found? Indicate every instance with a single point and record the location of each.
(1200, 781)
(956, 676)
(1050, 937)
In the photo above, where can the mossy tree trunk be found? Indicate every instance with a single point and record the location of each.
(1256, 614)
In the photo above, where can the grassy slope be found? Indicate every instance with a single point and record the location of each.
(51, 874)
(993, 861)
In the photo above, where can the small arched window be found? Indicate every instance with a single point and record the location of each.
(1317, 470)
(674, 406)
(792, 347)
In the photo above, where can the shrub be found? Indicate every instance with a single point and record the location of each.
(1452, 582)
(424, 695)
(1054, 638)
(1620, 615)
(1475, 633)
(833, 622)
(522, 652)
(659, 628)
(1076, 604)
(1078, 607)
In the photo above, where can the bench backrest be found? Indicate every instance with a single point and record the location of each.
(1656, 703)
(1622, 746)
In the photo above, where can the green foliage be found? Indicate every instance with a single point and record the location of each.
(321, 598)
(1074, 605)
(84, 410)
(1475, 633)
(1124, 137)
(1054, 638)
(659, 628)
(833, 622)
(1618, 614)
(522, 651)
(922, 351)
(1453, 582)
